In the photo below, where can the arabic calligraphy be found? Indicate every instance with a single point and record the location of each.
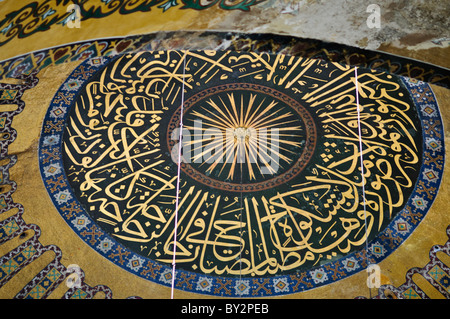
(234, 219)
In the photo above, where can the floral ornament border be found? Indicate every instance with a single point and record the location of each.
(41, 15)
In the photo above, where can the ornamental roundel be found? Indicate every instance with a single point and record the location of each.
(242, 168)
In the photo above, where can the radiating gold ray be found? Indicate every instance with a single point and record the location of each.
(284, 158)
(282, 141)
(224, 116)
(279, 147)
(206, 150)
(241, 119)
(253, 152)
(233, 164)
(270, 106)
(220, 122)
(246, 124)
(249, 108)
(265, 146)
(209, 147)
(249, 164)
(266, 120)
(235, 124)
(227, 158)
(267, 165)
(233, 106)
(207, 159)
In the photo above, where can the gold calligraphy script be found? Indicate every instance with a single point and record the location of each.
(271, 179)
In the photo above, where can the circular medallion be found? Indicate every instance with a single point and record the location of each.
(294, 172)
(243, 137)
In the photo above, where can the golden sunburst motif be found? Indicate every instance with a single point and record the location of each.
(242, 135)
(250, 134)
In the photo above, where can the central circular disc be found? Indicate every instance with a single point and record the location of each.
(270, 180)
(242, 137)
